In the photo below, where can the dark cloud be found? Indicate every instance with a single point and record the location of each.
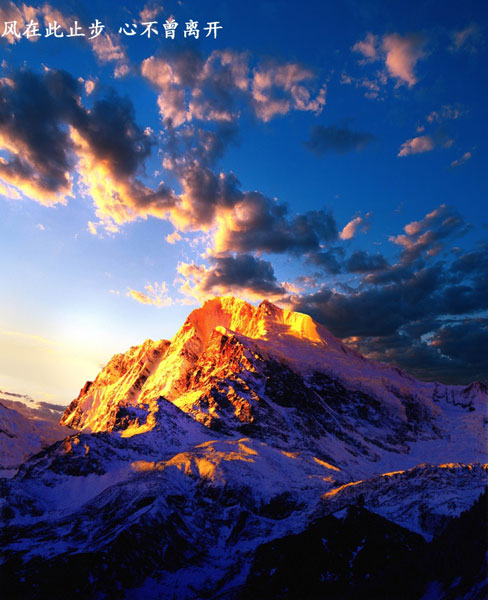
(374, 311)
(427, 236)
(466, 342)
(332, 261)
(336, 139)
(197, 146)
(47, 132)
(243, 271)
(422, 359)
(455, 351)
(473, 262)
(329, 260)
(421, 320)
(362, 262)
(395, 273)
(379, 310)
(259, 224)
(33, 110)
(243, 275)
(114, 136)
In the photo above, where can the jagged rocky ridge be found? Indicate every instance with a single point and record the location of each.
(250, 425)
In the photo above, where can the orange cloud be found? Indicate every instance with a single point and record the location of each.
(208, 90)
(402, 54)
(367, 47)
(350, 230)
(117, 199)
(155, 294)
(417, 145)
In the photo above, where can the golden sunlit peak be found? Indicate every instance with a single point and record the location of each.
(265, 321)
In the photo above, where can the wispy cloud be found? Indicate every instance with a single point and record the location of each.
(466, 39)
(337, 139)
(461, 161)
(155, 294)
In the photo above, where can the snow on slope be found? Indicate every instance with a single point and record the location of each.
(21, 437)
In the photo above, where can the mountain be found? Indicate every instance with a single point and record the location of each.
(32, 409)
(201, 463)
(22, 436)
(280, 377)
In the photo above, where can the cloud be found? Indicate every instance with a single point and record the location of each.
(350, 230)
(119, 197)
(362, 262)
(89, 85)
(9, 191)
(104, 144)
(205, 198)
(107, 48)
(401, 323)
(371, 85)
(244, 275)
(155, 294)
(473, 262)
(107, 150)
(461, 161)
(259, 224)
(9, 12)
(39, 150)
(218, 87)
(373, 311)
(329, 260)
(402, 55)
(445, 113)
(336, 139)
(466, 342)
(417, 145)
(278, 88)
(151, 10)
(466, 39)
(367, 47)
(414, 312)
(426, 237)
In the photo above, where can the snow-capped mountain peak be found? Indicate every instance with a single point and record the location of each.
(278, 375)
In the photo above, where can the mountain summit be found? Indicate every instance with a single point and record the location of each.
(279, 376)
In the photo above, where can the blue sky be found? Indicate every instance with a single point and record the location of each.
(329, 156)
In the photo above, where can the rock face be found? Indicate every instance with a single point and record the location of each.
(204, 464)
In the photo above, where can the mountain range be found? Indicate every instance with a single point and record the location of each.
(254, 455)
